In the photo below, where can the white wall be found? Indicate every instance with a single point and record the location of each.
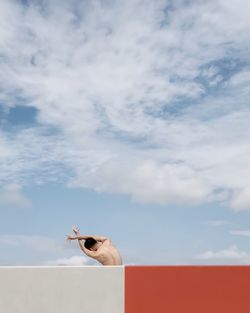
(62, 289)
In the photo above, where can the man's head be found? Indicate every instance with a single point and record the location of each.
(91, 244)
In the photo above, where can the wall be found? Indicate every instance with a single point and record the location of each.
(129, 289)
(187, 289)
(61, 289)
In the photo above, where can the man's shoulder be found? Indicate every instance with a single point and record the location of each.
(107, 242)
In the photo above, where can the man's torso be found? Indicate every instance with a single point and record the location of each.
(107, 254)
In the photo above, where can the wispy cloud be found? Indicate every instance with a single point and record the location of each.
(241, 199)
(219, 223)
(146, 98)
(38, 250)
(33, 242)
(245, 232)
(12, 195)
(74, 260)
(230, 254)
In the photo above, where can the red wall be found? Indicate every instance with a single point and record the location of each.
(187, 289)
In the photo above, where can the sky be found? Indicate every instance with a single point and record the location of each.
(129, 119)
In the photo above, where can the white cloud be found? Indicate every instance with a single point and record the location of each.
(75, 260)
(129, 99)
(38, 250)
(150, 182)
(231, 254)
(12, 195)
(35, 243)
(241, 200)
(240, 232)
(218, 223)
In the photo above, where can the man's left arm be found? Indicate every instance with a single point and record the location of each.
(97, 238)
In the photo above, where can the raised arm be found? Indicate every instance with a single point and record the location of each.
(97, 238)
(76, 230)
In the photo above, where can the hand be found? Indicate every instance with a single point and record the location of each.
(76, 230)
(70, 237)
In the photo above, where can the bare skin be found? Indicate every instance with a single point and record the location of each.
(103, 251)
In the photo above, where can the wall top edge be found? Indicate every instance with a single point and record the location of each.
(122, 266)
(60, 266)
(197, 265)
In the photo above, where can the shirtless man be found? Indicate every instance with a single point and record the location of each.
(98, 248)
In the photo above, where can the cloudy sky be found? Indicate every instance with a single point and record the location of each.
(129, 119)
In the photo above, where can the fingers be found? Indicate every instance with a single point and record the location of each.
(76, 230)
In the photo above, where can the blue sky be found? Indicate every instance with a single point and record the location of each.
(129, 119)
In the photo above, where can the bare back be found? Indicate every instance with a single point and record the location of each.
(107, 254)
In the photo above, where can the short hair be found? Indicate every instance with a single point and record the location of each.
(89, 243)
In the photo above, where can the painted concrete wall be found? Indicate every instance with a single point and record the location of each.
(62, 289)
(187, 289)
(130, 289)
